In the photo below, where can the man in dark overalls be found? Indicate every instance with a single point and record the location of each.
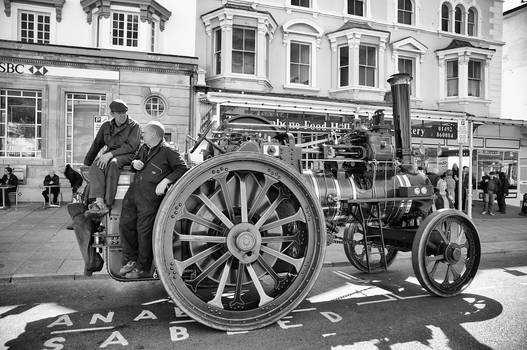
(157, 164)
(113, 147)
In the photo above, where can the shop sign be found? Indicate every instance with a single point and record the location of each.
(444, 131)
(29, 69)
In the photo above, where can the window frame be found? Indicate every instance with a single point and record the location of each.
(367, 67)
(35, 23)
(244, 51)
(300, 64)
(309, 5)
(341, 66)
(158, 112)
(453, 78)
(448, 18)
(354, 3)
(125, 30)
(405, 11)
(472, 79)
(217, 42)
(473, 24)
(412, 60)
(460, 21)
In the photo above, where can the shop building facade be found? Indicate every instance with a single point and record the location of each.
(327, 63)
(63, 62)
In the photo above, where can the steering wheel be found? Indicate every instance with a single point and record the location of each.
(202, 136)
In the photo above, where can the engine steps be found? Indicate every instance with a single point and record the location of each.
(375, 212)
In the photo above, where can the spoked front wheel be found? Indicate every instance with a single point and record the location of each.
(239, 241)
(446, 252)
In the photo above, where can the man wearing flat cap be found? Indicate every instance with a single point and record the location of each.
(157, 165)
(114, 147)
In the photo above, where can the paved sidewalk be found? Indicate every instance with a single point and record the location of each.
(34, 242)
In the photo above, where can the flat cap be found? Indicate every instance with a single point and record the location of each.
(118, 106)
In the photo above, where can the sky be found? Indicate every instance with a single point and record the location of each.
(509, 4)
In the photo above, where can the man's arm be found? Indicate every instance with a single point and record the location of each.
(178, 167)
(96, 146)
(131, 143)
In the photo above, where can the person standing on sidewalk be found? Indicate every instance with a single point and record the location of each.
(157, 165)
(464, 183)
(450, 185)
(502, 192)
(114, 147)
(490, 186)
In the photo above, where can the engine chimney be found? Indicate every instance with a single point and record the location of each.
(400, 84)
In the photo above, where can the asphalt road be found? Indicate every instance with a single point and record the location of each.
(345, 310)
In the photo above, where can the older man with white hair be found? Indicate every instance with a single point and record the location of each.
(157, 165)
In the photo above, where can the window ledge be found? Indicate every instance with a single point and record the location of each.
(358, 88)
(457, 36)
(464, 100)
(309, 10)
(301, 87)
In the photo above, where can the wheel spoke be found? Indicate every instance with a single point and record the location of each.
(243, 197)
(298, 216)
(221, 286)
(297, 263)
(434, 268)
(429, 259)
(182, 265)
(269, 181)
(264, 298)
(206, 200)
(445, 239)
(196, 281)
(222, 180)
(204, 238)
(237, 302)
(270, 210)
(445, 281)
(448, 229)
(201, 221)
(279, 239)
(277, 279)
(455, 274)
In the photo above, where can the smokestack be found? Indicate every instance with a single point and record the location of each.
(400, 84)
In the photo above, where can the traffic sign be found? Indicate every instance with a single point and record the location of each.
(462, 131)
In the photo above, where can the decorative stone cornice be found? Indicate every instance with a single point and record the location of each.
(57, 4)
(147, 8)
(224, 16)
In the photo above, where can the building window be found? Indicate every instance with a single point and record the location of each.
(344, 66)
(125, 29)
(34, 28)
(404, 11)
(471, 22)
(458, 20)
(474, 78)
(452, 81)
(85, 113)
(20, 123)
(301, 3)
(300, 66)
(445, 17)
(356, 7)
(243, 50)
(406, 65)
(155, 106)
(367, 65)
(217, 51)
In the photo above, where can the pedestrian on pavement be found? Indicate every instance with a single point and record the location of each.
(464, 183)
(502, 192)
(157, 165)
(442, 200)
(490, 186)
(114, 147)
(52, 181)
(450, 185)
(74, 178)
(9, 179)
(455, 176)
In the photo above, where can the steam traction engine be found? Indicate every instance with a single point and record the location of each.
(240, 239)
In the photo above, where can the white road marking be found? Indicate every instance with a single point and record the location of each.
(155, 301)
(303, 310)
(82, 330)
(388, 296)
(182, 321)
(328, 334)
(238, 332)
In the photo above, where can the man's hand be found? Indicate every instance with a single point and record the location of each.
(162, 186)
(103, 160)
(137, 164)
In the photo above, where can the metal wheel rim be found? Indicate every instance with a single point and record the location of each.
(216, 312)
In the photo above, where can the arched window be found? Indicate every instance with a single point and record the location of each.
(472, 28)
(445, 17)
(404, 11)
(155, 106)
(458, 20)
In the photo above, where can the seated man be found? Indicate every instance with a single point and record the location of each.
(113, 147)
(9, 179)
(51, 179)
(157, 164)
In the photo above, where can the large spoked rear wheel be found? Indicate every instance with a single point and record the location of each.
(446, 252)
(355, 249)
(239, 241)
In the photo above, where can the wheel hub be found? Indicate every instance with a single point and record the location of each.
(244, 241)
(453, 253)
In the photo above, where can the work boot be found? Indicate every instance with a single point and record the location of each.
(136, 273)
(127, 268)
